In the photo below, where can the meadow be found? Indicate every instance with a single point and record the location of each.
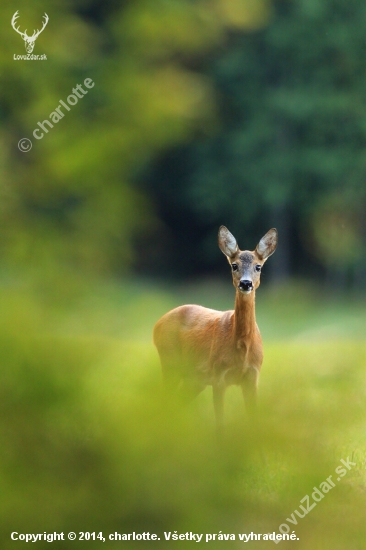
(89, 446)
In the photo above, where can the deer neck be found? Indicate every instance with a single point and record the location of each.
(245, 323)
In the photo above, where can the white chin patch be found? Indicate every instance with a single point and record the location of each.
(245, 291)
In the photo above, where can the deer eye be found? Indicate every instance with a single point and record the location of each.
(234, 267)
(258, 267)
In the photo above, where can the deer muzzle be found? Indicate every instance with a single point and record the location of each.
(245, 285)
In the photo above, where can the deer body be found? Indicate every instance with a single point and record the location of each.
(200, 346)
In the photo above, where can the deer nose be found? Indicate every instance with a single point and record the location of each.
(245, 285)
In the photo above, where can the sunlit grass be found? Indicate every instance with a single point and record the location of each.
(87, 435)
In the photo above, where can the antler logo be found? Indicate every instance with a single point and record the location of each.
(29, 40)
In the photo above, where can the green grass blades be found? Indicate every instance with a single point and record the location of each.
(90, 444)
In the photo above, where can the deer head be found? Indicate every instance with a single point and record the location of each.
(29, 40)
(246, 265)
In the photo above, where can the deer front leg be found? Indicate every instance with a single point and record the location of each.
(249, 388)
(218, 392)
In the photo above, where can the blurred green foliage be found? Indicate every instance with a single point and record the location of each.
(71, 199)
(287, 151)
(86, 443)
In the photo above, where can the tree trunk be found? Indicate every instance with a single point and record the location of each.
(280, 269)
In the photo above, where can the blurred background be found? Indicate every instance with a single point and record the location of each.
(247, 113)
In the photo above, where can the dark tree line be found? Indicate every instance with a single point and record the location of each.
(287, 149)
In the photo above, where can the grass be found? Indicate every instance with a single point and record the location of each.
(86, 437)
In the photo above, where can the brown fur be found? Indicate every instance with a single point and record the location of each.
(200, 346)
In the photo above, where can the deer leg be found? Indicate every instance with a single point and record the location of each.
(218, 392)
(171, 377)
(249, 390)
(184, 389)
(189, 389)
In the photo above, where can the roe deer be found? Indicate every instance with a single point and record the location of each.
(201, 347)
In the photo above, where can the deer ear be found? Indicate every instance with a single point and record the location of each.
(267, 245)
(227, 242)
